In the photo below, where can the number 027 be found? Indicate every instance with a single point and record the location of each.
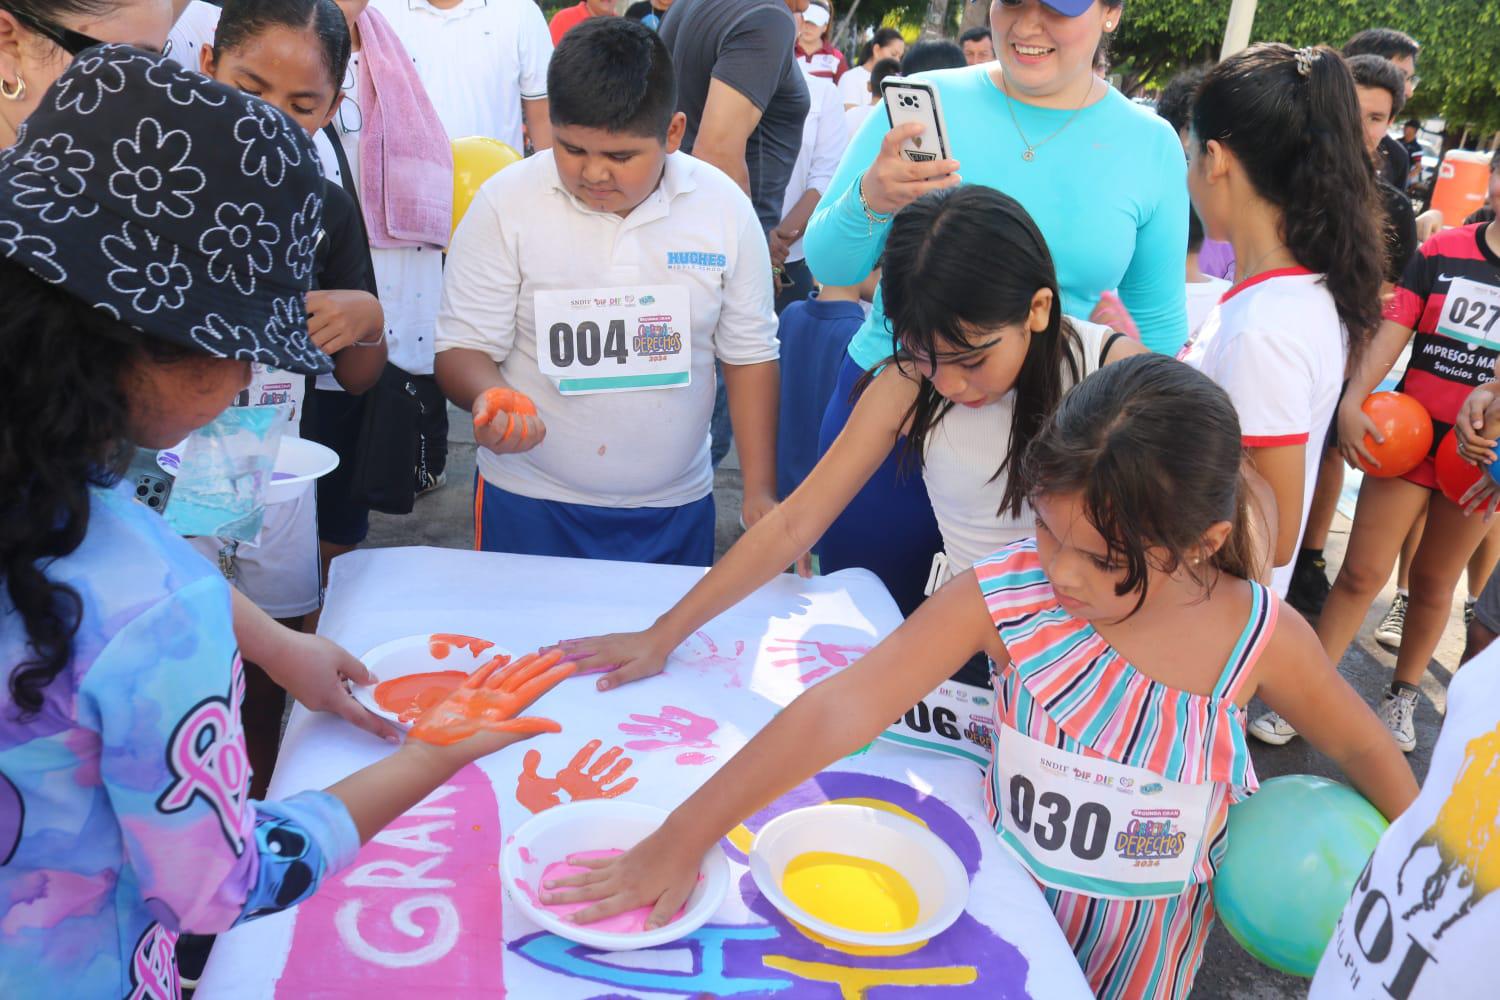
(1469, 314)
(566, 344)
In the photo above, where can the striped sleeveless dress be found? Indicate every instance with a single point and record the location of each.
(1066, 687)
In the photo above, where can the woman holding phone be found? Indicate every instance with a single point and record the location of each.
(1105, 180)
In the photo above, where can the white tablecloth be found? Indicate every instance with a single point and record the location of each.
(421, 912)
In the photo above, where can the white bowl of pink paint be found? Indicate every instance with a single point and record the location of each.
(540, 848)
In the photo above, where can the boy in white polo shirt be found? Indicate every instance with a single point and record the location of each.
(601, 279)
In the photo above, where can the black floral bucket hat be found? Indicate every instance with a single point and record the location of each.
(179, 206)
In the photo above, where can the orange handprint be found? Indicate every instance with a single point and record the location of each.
(497, 400)
(538, 793)
(489, 699)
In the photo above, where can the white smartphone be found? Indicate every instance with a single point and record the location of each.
(909, 100)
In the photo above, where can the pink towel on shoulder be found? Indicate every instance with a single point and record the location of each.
(405, 159)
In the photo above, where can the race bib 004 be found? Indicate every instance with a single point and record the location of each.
(1091, 825)
(615, 339)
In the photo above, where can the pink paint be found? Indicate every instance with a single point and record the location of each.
(417, 913)
(673, 728)
(694, 758)
(702, 652)
(526, 856)
(629, 922)
(827, 657)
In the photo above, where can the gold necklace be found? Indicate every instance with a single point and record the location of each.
(1254, 269)
(1031, 148)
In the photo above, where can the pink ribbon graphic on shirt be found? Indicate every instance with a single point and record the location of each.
(207, 755)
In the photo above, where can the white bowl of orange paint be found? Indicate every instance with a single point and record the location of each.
(859, 875)
(539, 850)
(417, 671)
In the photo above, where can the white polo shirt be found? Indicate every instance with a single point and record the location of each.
(823, 142)
(1276, 345)
(478, 60)
(525, 233)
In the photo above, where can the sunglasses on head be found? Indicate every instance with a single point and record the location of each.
(70, 41)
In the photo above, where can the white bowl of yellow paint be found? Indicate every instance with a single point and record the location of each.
(595, 826)
(859, 875)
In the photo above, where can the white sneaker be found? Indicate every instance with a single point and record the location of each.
(1396, 712)
(1388, 632)
(1273, 729)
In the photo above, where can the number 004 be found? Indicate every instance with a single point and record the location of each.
(565, 344)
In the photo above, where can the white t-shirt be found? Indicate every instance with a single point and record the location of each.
(478, 61)
(408, 280)
(194, 29)
(1277, 346)
(823, 142)
(1424, 919)
(854, 85)
(855, 117)
(963, 452)
(525, 233)
(1202, 296)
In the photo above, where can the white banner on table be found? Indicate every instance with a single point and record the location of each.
(417, 913)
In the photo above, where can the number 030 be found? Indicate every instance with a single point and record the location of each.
(1090, 824)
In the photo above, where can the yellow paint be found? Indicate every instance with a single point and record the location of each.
(1468, 824)
(855, 984)
(742, 838)
(866, 950)
(856, 894)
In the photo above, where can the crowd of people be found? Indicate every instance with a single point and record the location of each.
(1079, 390)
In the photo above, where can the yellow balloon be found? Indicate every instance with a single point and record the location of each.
(476, 159)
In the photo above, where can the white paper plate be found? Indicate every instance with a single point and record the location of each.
(601, 825)
(413, 655)
(298, 463)
(921, 856)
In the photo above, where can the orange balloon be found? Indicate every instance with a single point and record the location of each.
(1454, 475)
(476, 159)
(1407, 429)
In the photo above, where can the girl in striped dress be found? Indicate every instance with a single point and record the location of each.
(1126, 639)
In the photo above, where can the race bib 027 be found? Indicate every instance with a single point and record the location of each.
(615, 339)
(1471, 313)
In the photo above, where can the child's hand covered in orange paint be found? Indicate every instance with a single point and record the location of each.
(520, 430)
(480, 716)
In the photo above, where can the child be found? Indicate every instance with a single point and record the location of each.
(124, 813)
(292, 54)
(984, 355)
(1126, 638)
(611, 262)
(1203, 290)
(1448, 359)
(1300, 214)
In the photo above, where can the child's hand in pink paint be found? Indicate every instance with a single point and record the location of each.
(480, 716)
(657, 873)
(505, 421)
(627, 656)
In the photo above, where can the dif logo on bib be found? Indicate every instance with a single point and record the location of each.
(1150, 836)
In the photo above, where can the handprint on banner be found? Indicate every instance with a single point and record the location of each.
(601, 781)
(830, 656)
(675, 728)
(702, 652)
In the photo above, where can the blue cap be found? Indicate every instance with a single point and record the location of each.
(1069, 8)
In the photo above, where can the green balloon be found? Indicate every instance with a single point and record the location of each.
(1295, 850)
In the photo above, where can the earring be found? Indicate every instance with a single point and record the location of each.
(13, 93)
(1109, 26)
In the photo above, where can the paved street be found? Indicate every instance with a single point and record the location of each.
(445, 518)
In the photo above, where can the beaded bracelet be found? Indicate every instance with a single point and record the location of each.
(873, 217)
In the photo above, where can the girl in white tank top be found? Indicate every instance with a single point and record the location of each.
(982, 356)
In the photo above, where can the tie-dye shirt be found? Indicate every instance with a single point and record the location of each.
(124, 812)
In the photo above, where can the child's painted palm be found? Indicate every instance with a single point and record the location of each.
(490, 698)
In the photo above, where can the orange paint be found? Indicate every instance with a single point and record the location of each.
(497, 400)
(410, 696)
(440, 644)
(601, 781)
(490, 698)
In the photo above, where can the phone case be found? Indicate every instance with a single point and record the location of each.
(916, 101)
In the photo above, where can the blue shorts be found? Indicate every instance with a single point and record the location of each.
(671, 536)
(889, 527)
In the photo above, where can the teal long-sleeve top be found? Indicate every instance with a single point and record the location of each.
(1108, 191)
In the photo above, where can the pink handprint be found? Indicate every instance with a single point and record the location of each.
(675, 728)
(701, 651)
(832, 655)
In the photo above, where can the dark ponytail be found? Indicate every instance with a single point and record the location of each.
(1291, 118)
(62, 424)
(1117, 440)
(959, 264)
(243, 20)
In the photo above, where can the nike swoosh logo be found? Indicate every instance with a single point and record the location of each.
(1450, 278)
